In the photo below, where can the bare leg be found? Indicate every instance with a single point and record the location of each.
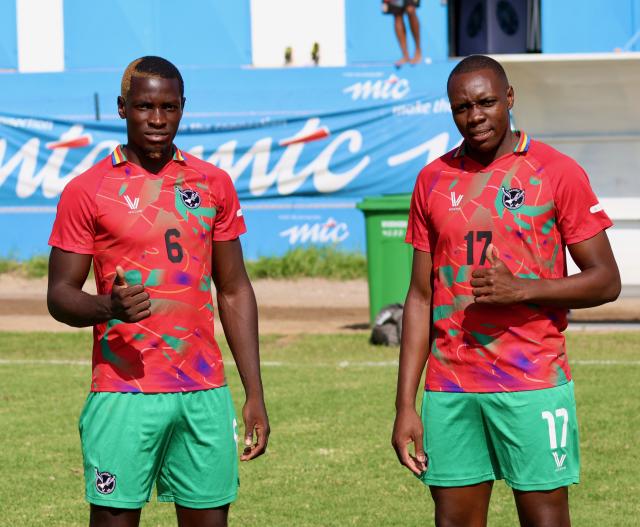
(462, 506)
(110, 517)
(549, 508)
(401, 34)
(414, 24)
(202, 517)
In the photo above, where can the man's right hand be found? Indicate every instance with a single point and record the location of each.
(408, 429)
(128, 303)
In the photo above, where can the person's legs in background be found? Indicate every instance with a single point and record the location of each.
(401, 34)
(414, 24)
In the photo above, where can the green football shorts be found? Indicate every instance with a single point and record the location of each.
(529, 439)
(185, 443)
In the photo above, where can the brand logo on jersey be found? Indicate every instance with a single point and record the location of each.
(596, 208)
(559, 460)
(133, 204)
(455, 201)
(190, 198)
(105, 482)
(512, 198)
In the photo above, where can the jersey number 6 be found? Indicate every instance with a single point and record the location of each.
(174, 250)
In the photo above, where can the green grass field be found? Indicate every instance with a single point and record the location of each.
(330, 462)
(325, 262)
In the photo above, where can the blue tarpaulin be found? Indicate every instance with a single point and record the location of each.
(302, 147)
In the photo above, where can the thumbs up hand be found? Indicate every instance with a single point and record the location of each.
(496, 284)
(128, 303)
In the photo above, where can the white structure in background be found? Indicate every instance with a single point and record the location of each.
(40, 29)
(297, 24)
(586, 106)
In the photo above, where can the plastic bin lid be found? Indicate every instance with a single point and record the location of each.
(387, 202)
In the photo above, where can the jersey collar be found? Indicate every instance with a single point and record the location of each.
(521, 148)
(118, 156)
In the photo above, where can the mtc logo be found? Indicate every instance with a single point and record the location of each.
(393, 88)
(329, 232)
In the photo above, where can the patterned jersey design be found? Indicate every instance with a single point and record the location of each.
(530, 204)
(159, 228)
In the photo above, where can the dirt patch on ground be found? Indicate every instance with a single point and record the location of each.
(285, 306)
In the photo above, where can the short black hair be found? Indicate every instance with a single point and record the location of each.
(476, 63)
(150, 66)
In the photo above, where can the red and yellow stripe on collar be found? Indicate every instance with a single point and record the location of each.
(177, 155)
(523, 145)
(118, 156)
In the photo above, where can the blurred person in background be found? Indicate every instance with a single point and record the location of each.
(158, 225)
(400, 8)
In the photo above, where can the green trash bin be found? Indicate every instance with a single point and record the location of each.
(388, 256)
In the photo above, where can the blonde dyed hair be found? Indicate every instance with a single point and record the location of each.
(149, 67)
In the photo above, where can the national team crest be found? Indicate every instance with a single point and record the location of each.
(512, 198)
(190, 198)
(105, 482)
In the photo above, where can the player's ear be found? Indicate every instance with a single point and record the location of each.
(184, 100)
(122, 112)
(510, 97)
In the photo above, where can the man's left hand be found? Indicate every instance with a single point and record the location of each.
(256, 422)
(496, 284)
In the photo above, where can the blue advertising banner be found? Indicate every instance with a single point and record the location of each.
(312, 144)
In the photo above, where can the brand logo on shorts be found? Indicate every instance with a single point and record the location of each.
(190, 198)
(105, 482)
(512, 198)
(559, 461)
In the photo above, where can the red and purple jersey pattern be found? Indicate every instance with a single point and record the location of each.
(530, 204)
(160, 229)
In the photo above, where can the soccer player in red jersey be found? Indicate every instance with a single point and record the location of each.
(486, 307)
(158, 225)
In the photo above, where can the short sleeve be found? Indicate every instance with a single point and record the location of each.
(74, 226)
(228, 222)
(418, 225)
(579, 214)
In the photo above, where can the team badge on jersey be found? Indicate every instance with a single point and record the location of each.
(190, 198)
(105, 482)
(512, 198)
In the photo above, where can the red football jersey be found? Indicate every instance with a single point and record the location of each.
(530, 204)
(159, 228)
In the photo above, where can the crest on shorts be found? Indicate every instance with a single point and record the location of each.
(105, 482)
(190, 198)
(512, 198)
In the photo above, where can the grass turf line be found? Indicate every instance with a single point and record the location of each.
(319, 262)
(330, 462)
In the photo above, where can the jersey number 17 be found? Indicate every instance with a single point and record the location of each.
(478, 236)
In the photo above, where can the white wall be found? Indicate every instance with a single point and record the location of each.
(586, 106)
(40, 35)
(278, 24)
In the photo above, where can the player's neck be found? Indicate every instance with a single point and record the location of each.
(141, 158)
(506, 146)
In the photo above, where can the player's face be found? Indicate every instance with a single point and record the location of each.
(480, 103)
(153, 109)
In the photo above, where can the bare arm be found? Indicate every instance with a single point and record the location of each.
(68, 303)
(239, 317)
(597, 282)
(414, 350)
